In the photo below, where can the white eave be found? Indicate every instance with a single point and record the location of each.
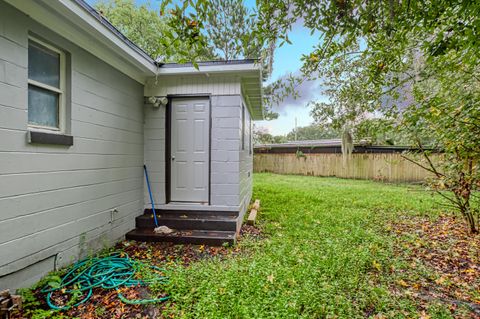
(212, 67)
(73, 21)
(249, 72)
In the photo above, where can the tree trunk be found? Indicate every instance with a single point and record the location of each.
(470, 217)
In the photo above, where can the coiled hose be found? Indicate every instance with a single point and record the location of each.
(110, 272)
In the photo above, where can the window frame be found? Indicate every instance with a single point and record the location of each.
(61, 90)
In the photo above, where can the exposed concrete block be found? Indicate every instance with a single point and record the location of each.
(29, 275)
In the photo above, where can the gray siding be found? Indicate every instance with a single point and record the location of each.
(230, 187)
(56, 201)
(193, 84)
(225, 103)
(226, 129)
(155, 153)
(246, 165)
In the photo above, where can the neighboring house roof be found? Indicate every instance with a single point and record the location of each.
(322, 143)
(305, 143)
(328, 146)
(77, 21)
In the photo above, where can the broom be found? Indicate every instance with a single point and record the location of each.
(158, 229)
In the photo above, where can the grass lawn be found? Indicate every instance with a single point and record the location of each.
(329, 252)
(333, 248)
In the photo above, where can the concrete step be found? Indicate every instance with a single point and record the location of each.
(189, 221)
(199, 237)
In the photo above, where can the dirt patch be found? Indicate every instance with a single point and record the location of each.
(168, 254)
(249, 231)
(105, 304)
(447, 258)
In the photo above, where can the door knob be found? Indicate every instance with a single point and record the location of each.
(173, 158)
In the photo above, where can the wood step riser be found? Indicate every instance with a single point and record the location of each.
(211, 241)
(192, 213)
(147, 222)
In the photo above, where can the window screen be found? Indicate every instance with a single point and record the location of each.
(44, 85)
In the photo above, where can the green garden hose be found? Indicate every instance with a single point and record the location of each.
(111, 272)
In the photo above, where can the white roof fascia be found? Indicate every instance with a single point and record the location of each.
(220, 68)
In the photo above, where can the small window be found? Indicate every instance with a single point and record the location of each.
(46, 86)
(243, 127)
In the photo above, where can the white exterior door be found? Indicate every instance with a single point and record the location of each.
(190, 143)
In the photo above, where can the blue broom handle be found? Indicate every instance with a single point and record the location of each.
(151, 197)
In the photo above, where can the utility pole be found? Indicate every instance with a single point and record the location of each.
(295, 128)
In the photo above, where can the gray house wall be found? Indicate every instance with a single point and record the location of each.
(154, 152)
(56, 202)
(225, 166)
(60, 203)
(225, 101)
(246, 163)
(231, 167)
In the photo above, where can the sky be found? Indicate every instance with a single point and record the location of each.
(286, 60)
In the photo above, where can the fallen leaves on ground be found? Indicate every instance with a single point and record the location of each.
(250, 231)
(104, 303)
(168, 254)
(442, 264)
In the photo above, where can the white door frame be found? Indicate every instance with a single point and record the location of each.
(168, 144)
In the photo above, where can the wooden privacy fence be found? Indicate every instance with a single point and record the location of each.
(388, 167)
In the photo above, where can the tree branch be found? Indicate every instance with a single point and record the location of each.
(418, 164)
(437, 173)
